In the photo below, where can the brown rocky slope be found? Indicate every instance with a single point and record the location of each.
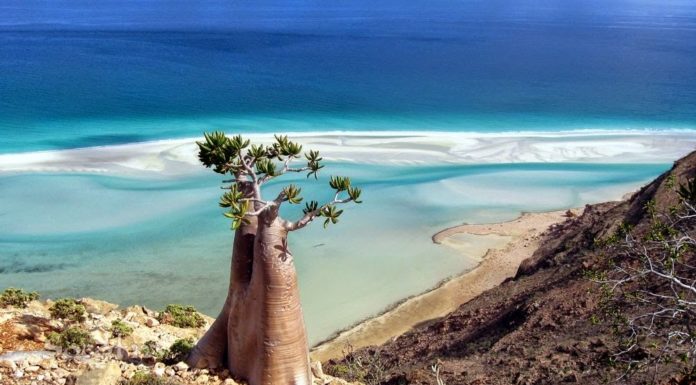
(538, 328)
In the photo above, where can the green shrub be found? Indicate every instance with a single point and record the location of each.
(180, 349)
(17, 297)
(120, 329)
(68, 309)
(71, 338)
(181, 316)
(146, 378)
(150, 349)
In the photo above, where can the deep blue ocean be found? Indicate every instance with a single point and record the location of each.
(85, 73)
(76, 73)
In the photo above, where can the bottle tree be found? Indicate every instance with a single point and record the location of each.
(260, 334)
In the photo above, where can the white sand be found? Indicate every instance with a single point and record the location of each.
(172, 157)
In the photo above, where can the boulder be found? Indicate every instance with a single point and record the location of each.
(100, 337)
(158, 370)
(181, 367)
(120, 353)
(109, 374)
(98, 307)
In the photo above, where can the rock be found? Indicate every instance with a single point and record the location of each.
(149, 312)
(229, 381)
(202, 379)
(317, 371)
(32, 369)
(110, 374)
(151, 322)
(61, 381)
(8, 364)
(18, 374)
(40, 377)
(335, 381)
(100, 337)
(98, 307)
(158, 370)
(48, 364)
(169, 372)
(181, 366)
(120, 353)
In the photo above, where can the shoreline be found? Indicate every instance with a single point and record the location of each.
(496, 266)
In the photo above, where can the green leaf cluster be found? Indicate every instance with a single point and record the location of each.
(17, 297)
(331, 213)
(222, 152)
(342, 183)
(259, 163)
(292, 194)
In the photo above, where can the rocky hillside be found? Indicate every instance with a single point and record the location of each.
(545, 326)
(91, 342)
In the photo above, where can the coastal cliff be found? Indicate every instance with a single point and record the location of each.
(541, 326)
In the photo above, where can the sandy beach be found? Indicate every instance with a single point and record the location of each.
(497, 265)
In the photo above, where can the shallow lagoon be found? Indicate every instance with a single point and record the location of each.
(155, 241)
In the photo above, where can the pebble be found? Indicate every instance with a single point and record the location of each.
(32, 369)
(202, 379)
(169, 372)
(48, 364)
(158, 370)
(40, 377)
(18, 374)
(181, 366)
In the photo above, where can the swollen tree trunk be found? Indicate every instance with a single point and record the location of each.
(280, 354)
(212, 350)
(260, 333)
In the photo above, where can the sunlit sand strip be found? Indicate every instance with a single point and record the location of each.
(497, 265)
(178, 156)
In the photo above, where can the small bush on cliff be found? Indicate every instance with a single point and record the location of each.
(17, 297)
(181, 316)
(180, 349)
(365, 366)
(68, 309)
(120, 329)
(146, 378)
(71, 338)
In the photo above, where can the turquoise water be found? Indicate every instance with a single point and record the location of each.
(78, 74)
(156, 241)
